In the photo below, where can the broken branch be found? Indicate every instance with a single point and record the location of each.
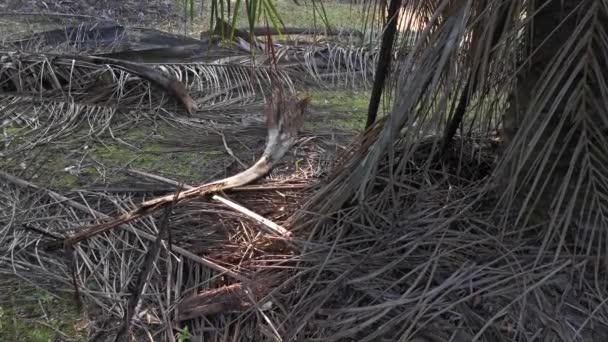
(284, 117)
(273, 227)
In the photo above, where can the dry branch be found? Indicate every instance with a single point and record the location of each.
(284, 118)
(273, 227)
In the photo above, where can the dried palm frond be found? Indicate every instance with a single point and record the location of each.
(211, 233)
(55, 96)
(219, 83)
(329, 64)
(322, 62)
(58, 76)
(284, 119)
(557, 130)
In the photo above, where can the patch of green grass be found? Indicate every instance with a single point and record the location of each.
(184, 335)
(46, 169)
(55, 172)
(9, 136)
(338, 14)
(65, 166)
(341, 100)
(39, 318)
(154, 158)
(66, 181)
(348, 108)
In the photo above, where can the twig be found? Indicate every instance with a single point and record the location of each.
(51, 235)
(150, 237)
(273, 227)
(229, 150)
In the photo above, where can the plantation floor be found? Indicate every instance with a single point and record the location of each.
(108, 160)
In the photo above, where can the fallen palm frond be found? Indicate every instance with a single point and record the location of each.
(330, 64)
(322, 62)
(56, 96)
(222, 83)
(84, 209)
(58, 76)
(284, 119)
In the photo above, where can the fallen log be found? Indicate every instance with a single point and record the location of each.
(223, 27)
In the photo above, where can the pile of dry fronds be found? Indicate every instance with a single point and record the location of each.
(427, 256)
(78, 106)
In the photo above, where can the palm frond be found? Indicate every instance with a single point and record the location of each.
(557, 130)
(423, 97)
(55, 96)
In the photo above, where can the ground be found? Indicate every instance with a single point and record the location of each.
(33, 314)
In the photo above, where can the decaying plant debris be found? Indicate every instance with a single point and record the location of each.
(105, 91)
(394, 241)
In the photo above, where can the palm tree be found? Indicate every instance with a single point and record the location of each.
(556, 124)
(542, 66)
